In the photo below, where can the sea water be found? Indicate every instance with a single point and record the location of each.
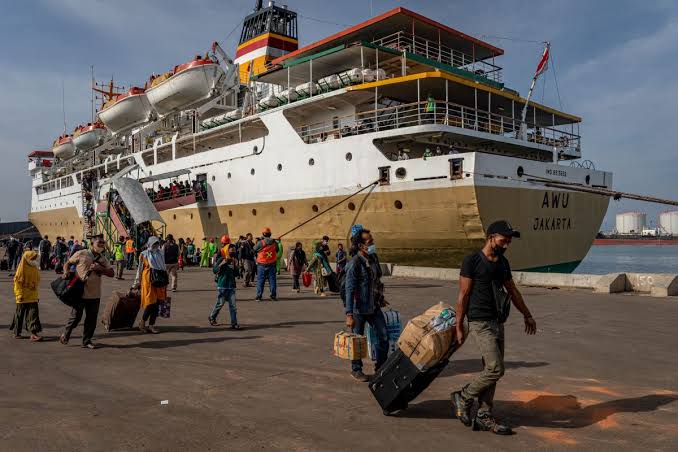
(603, 259)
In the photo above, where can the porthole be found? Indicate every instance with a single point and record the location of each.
(279, 166)
(282, 210)
(311, 162)
(214, 178)
(520, 171)
(174, 217)
(252, 171)
(401, 173)
(351, 206)
(191, 216)
(209, 215)
(314, 208)
(349, 156)
(398, 204)
(254, 212)
(228, 175)
(230, 213)
(588, 179)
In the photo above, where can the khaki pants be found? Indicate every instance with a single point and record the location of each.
(172, 271)
(489, 337)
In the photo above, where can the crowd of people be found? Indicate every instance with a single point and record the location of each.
(356, 277)
(178, 189)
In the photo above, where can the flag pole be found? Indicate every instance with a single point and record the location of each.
(522, 134)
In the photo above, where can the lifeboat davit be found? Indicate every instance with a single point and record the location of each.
(126, 110)
(87, 136)
(186, 85)
(63, 147)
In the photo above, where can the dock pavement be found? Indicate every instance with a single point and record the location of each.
(601, 374)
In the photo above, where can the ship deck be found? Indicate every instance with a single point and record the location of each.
(598, 376)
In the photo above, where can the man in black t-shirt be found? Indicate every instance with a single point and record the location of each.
(479, 273)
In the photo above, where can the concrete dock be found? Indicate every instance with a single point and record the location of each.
(599, 375)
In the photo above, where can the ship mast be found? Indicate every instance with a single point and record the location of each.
(541, 67)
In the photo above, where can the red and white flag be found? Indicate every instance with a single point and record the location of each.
(544, 62)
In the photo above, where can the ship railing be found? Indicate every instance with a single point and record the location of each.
(432, 50)
(437, 113)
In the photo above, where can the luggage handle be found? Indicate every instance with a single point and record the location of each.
(395, 383)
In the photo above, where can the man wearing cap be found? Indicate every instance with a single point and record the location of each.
(480, 273)
(266, 251)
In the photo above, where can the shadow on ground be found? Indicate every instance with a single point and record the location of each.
(552, 411)
(468, 366)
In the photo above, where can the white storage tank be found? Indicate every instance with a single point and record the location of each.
(668, 222)
(631, 222)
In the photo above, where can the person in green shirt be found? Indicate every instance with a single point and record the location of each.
(225, 271)
(278, 262)
(212, 250)
(204, 254)
(430, 108)
(119, 257)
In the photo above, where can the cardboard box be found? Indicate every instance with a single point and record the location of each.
(350, 346)
(421, 343)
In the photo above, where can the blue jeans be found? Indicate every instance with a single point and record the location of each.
(377, 321)
(130, 261)
(266, 271)
(225, 296)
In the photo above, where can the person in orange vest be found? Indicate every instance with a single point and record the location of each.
(129, 252)
(225, 242)
(266, 251)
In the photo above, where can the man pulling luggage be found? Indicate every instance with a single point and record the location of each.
(485, 285)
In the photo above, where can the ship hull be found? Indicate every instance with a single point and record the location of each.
(185, 88)
(434, 227)
(126, 113)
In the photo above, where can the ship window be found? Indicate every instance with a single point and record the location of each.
(174, 217)
(252, 171)
(279, 167)
(351, 206)
(401, 173)
(588, 179)
(349, 156)
(213, 178)
(228, 175)
(254, 212)
(311, 162)
(398, 204)
(209, 215)
(314, 208)
(282, 210)
(384, 175)
(456, 168)
(230, 213)
(191, 216)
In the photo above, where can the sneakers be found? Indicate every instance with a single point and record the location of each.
(152, 329)
(486, 422)
(212, 321)
(360, 376)
(462, 408)
(235, 327)
(89, 345)
(63, 340)
(274, 298)
(258, 299)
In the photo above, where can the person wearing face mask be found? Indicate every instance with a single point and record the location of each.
(364, 295)
(26, 285)
(225, 271)
(480, 273)
(90, 264)
(152, 258)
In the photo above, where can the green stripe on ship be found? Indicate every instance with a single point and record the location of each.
(565, 267)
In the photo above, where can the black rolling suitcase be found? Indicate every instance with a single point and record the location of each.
(399, 381)
(332, 282)
(121, 311)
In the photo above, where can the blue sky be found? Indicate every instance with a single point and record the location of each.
(615, 61)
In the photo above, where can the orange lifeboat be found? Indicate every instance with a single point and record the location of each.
(63, 147)
(89, 135)
(126, 110)
(186, 85)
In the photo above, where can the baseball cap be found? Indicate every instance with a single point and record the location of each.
(504, 228)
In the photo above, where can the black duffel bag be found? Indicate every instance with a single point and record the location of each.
(69, 288)
(159, 278)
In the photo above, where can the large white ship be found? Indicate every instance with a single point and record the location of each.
(282, 133)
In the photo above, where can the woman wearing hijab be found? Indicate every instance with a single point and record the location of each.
(320, 266)
(26, 283)
(151, 258)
